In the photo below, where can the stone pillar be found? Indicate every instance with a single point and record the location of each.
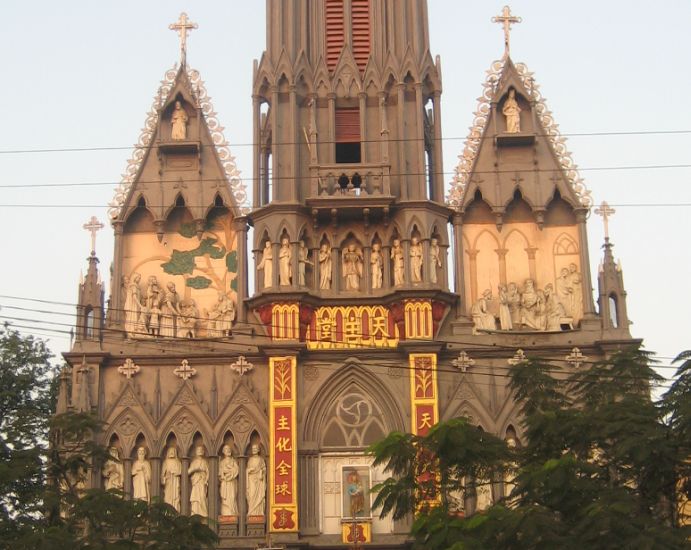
(588, 303)
(472, 268)
(116, 311)
(257, 183)
(384, 130)
(274, 274)
(426, 264)
(366, 283)
(362, 96)
(185, 488)
(155, 462)
(532, 265)
(314, 256)
(213, 491)
(275, 145)
(309, 488)
(240, 227)
(295, 139)
(402, 178)
(501, 255)
(127, 482)
(405, 243)
(294, 263)
(458, 256)
(336, 269)
(437, 156)
(420, 176)
(443, 277)
(387, 283)
(331, 157)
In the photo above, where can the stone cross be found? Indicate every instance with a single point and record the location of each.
(463, 362)
(182, 26)
(129, 369)
(506, 19)
(184, 371)
(605, 210)
(576, 358)
(241, 366)
(93, 225)
(517, 359)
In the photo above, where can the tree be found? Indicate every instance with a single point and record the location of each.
(598, 469)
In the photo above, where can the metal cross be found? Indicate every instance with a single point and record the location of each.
(576, 358)
(605, 210)
(241, 366)
(506, 19)
(129, 369)
(463, 362)
(182, 26)
(517, 359)
(93, 225)
(184, 371)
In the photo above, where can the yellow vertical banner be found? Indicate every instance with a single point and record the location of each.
(283, 509)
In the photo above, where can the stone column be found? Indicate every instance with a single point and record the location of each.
(387, 283)
(588, 303)
(336, 269)
(155, 462)
(276, 251)
(501, 255)
(213, 487)
(384, 130)
(532, 265)
(405, 243)
(443, 277)
(438, 183)
(295, 263)
(314, 256)
(308, 460)
(331, 157)
(366, 283)
(420, 176)
(116, 311)
(256, 138)
(127, 482)
(472, 268)
(275, 143)
(362, 96)
(258, 278)
(402, 178)
(294, 138)
(185, 488)
(240, 226)
(426, 264)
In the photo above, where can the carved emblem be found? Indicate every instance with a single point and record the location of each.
(184, 424)
(128, 426)
(184, 371)
(129, 369)
(241, 423)
(241, 366)
(311, 373)
(517, 359)
(128, 399)
(463, 362)
(185, 398)
(576, 358)
(353, 409)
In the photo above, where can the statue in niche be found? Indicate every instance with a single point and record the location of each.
(352, 267)
(483, 495)
(303, 260)
(415, 260)
(356, 494)
(575, 281)
(228, 471)
(513, 300)
(285, 268)
(325, 267)
(153, 309)
(188, 320)
(267, 264)
(530, 307)
(480, 313)
(170, 310)
(221, 316)
(377, 264)
(141, 477)
(398, 263)
(512, 112)
(564, 291)
(199, 480)
(113, 471)
(178, 123)
(133, 308)
(554, 310)
(510, 473)
(171, 472)
(505, 322)
(256, 483)
(434, 260)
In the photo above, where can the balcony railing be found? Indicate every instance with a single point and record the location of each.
(350, 180)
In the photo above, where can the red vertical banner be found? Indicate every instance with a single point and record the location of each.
(283, 514)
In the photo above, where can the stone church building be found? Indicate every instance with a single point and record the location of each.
(256, 338)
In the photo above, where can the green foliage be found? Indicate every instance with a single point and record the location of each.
(234, 284)
(188, 230)
(232, 261)
(198, 282)
(182, 261)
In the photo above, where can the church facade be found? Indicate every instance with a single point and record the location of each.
(382, 299)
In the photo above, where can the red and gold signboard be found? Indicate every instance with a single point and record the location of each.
(283, 515)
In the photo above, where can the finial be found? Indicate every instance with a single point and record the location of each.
(93, 225)
(506, 19)
(182, 26)
(605, 210)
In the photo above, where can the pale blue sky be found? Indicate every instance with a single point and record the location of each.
(83, 74)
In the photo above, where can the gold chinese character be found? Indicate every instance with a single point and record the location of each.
(352, 328)
(283, 468)
(283, 489)
(284, 445)
(425, 421)
(326, 330)
(283, 423)
(379, 326)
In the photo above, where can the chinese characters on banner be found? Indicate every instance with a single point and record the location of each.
(283, 476)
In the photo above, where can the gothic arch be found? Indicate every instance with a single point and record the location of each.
(128, 426)
(479, 236)
(241, 421)
(523, 236)
(414, 224)
(139, 217)
(475, 411)
(184, 423)
(564, 245)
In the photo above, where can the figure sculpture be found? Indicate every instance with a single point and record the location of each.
(482, 318)
(188, 320)
(303, 261)
(285, 268)
(199, 480)
(512, 112)
(377, 264)
(170, 310)
(513, 300)
(133, 308)
(530, 306)
(113, 471)
(352, 267)
(504, 310)
(171, 472)
(398, 263)
(178, 123)
(356, 494)
(228, 477)
(554, 310)
(324, 267)
(267, 264)
(576, 293)
(434, 260)
(415, 260)
(222, 316)
(141, 477)
(256, 483)
(483, 495)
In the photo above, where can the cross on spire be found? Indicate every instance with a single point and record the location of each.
(182, 26)
(605, 210)
(506, 19)
(93, 225)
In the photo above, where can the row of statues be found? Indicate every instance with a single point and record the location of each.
(159, 313)
(352, 264)
(529, 308)
(198, 472)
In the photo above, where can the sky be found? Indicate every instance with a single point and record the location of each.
(82, 75)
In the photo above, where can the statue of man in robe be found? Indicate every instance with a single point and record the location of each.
(285, 268)
(171, 471)
(434, 260)
(178, 123)
(398, 263)
(303, 260)
(512, 112)
(325, 267)
(377, 263)
(113, 471)
(352, 267)
(267, 264)
(228, 477)
(256, 483)
(222, 316)
(415, 260)
(199, 479)
(141, 477)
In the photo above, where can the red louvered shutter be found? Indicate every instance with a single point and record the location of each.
(335, 36)
(347, 125)
(361, 32)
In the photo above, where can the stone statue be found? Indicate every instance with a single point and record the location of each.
(141, 477)
(171, 472)
(513, 300)
(483, 495)
(510, 473)
(530, 314)
(188, 320)
(153, 306)
(376, 260)
(504, 311)
(434, 260)
(256, 483)
(480, 313)
(554, 310)
(133, 308)
(199, 480)
(564, 291)
(228, 477)
(113, 471)
(267, 264)
(356, 495)
(170, 311)
(325, 267)
(352, 267)
(221, 316)
(512, 112)
(303, 260)
(415, 260)
(178, 123)
(575, 282)
(285, 268)
(398, 263)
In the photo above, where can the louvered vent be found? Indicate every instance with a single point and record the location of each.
(335, 37)
(361, 36)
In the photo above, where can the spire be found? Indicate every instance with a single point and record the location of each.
(63, 390)
(90, 304)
